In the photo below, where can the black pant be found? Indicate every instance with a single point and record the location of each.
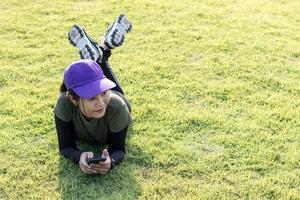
(108, 72)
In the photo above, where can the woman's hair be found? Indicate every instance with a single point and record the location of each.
(63, 88)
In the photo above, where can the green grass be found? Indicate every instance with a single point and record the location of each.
(214, 86)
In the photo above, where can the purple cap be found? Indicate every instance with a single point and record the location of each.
(86, 79)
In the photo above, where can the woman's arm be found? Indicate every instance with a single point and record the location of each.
(66, 140)
(116, 144)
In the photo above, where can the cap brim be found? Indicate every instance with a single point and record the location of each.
(94, 88)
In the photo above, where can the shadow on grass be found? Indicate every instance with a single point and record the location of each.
(120, 183)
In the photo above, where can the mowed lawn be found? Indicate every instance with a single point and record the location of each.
(215, 90)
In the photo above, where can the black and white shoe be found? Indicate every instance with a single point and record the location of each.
(115, 34)
(88, 48)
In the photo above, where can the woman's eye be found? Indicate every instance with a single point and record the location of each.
(91, 99)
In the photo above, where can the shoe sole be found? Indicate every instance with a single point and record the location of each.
(122, 22)
(122, 19)
(87, 47)
(127, 23)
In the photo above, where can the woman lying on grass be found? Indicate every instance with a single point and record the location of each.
(92, 106)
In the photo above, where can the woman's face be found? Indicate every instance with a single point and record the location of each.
(96, 106)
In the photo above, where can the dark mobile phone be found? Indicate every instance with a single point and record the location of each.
(95, 160)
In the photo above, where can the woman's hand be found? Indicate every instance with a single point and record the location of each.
(87, 169)
(103, 167)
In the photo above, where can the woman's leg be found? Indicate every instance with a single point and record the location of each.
(107, 70)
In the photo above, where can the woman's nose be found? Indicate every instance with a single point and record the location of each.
(100, 100)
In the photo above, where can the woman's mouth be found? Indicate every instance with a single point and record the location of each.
(100, 110)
